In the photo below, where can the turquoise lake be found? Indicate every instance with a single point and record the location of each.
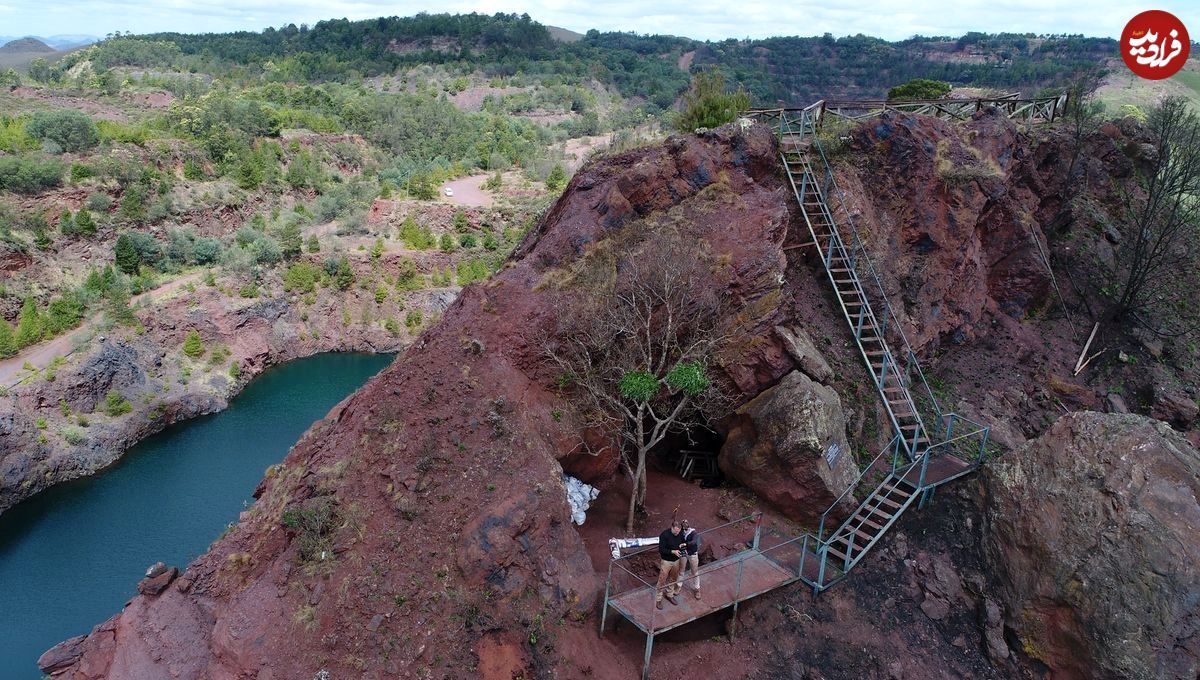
(72, 556)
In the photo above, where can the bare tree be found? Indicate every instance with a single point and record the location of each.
(1157, 261)
(1082, 114)
(637, 348)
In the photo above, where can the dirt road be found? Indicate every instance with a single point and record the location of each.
(468, 191)
(40, 355)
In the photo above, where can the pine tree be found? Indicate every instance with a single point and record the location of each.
(314, 244)
(193, 346)
(447, 243)
(345, 275)
(66, 224)
(126, 255)
(84, 223)
(557, 178)
(8, 343)
(29, 324)
(291, 240)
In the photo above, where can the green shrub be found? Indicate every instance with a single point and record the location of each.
(290, 239)
(73, 435)
(414, 237)
(30, 325)
(381, 294)
(114, 404)
(413, 319)
(920, 88)
(235, 369)
(207, 251)
(707, 105)
(406, 275)
(30, 174)
(314, 244)
(99, 202)
(193, 171)
(134, 202)
(13, 136)
(66, 129)
(313, 525)
(193, 346)
(136, 133)
(557, 179)
(467, 241)
(84, 224)
(8, 341)
(447, 243)
(391, 326)
(80, 172)
(301, 277)
(344, 278)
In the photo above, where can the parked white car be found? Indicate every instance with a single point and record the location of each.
(449, 191)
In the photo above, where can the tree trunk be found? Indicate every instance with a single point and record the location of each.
(639, 474)
(637, 493)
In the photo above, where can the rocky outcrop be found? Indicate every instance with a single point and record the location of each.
(61, 656)
(789, 446)
(115, 366)
(453, 540)
(1093, 528)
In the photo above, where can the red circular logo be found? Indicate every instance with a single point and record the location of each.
(1155, 44)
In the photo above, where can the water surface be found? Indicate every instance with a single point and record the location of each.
(72, 556)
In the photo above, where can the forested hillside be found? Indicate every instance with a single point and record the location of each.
(650, 68)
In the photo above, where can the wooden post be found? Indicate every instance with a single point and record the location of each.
(607, 586)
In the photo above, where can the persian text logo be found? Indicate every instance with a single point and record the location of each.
(1155, 44)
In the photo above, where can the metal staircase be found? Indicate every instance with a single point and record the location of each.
(921, 458)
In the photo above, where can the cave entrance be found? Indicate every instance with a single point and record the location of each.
(690, 455)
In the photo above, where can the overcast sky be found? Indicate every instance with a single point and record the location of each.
(703, 19)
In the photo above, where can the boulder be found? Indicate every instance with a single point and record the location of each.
(1093, 529)
(1179, 410)
(788, 445)
(61, 655)
(157, 580)
(804, 352)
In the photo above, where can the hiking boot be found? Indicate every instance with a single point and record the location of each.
(672, 599)
(658, 604)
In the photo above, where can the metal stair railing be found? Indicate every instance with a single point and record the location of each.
(837, 250)
(912, 365)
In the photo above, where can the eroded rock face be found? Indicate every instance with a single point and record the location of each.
(115, 367)
(1094, 528)
(781, 445)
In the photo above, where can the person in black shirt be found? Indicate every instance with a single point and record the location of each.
(670, 550)
(691, 558)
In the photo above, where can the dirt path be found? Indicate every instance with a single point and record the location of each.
(41, 354)
(468, 191)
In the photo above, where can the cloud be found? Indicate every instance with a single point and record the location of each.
(702, 19)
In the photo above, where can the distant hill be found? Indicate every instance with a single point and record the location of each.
(57, 43)
(18, 53)
(564, 35)
(70, 41)
(25, 46)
